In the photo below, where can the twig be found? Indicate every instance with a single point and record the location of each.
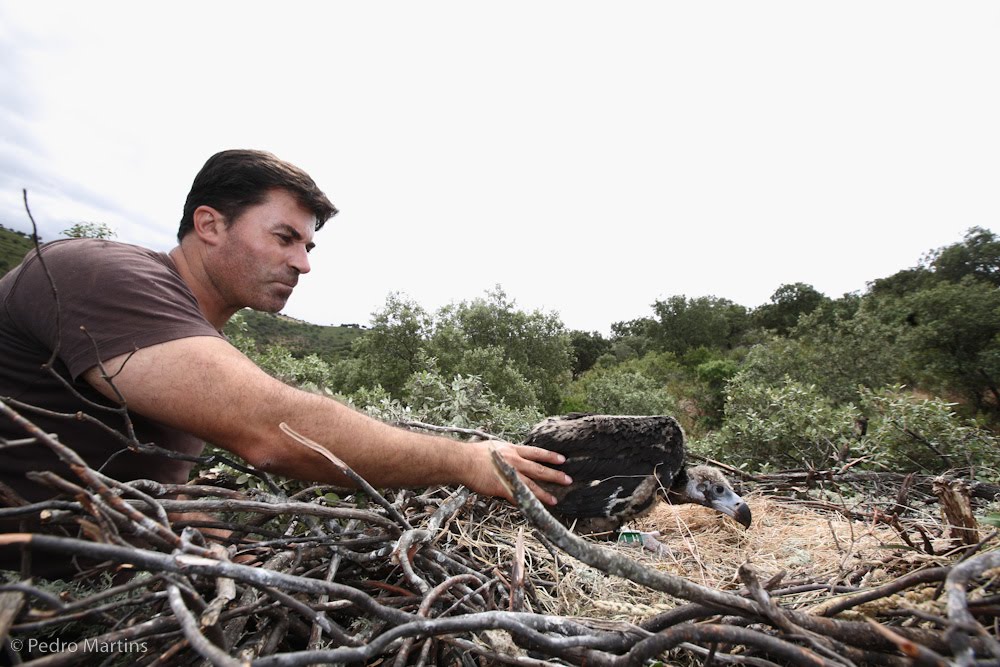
(189, 625)
(348, 472)
(963, 622)
(476, 433)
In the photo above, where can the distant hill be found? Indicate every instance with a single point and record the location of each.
(329, 343)
(13, 247)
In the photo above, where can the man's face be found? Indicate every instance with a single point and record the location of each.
(262, 253)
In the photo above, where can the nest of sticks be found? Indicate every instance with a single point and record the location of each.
(443, 576)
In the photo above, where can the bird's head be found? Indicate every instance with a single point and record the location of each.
(707, 486)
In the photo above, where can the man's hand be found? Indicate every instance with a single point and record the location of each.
(527, 461)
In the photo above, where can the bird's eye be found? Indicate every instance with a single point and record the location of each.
(719, 490)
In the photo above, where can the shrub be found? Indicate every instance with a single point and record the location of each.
(464, 402)
(777, 426)
(625, 392)
(913, 433)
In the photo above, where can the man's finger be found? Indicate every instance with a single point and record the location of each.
(540, 454)
(525, 460)
(541, 473)
(541, 493)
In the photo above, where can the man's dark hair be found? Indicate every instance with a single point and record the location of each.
(234, 180)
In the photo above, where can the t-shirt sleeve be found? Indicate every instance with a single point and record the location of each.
(112, 298)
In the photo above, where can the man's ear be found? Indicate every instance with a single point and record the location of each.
(208, 224)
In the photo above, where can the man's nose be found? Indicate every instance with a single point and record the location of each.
(300, 260)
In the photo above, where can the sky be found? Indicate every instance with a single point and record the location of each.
(588, 157)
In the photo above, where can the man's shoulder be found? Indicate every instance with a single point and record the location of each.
(84, 254)
(73, 247)
(94, 270)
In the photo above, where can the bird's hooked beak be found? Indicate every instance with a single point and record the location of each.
(732, 505)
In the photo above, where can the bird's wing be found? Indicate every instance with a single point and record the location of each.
(608, 457)
(600, 487)
(656, 440)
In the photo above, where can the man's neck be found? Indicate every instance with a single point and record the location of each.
(192, 272)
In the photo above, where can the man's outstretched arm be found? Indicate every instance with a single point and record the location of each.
(206, 387)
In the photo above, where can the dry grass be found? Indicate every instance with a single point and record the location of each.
(801, 544)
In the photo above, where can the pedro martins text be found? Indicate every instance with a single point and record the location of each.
(86, 645)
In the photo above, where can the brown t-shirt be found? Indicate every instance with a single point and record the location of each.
(112, 298)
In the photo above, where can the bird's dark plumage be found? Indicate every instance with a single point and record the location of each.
(621, 464)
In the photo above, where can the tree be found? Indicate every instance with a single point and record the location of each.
(909, 432)
(788, 303)
(954, 338)
(504, 380)
(714, 375)
(525, 359)
(836, 350)
(460, 400)
(901, 283)
(90, 230)
(978, 255)
(632, 339)
(392, 349)
(700, 322)
(535, 344)
(588, 346)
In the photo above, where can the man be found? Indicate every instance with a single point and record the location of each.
(126, 324)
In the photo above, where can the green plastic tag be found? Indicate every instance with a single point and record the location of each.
(629, 536)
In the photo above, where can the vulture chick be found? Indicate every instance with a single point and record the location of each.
(620, 465)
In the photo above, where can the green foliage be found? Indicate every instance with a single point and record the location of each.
(637, 387)
(902, 283)
(977, 256)
(707, 322)
(690, 388)
(394, 347)
(662, 367)
(90, 230)
(534, 344)
(624, 392)
(714, 375)
(717, 372)
(309, 372)
(13, 247)
(463, 401)
(954, 338)
(329, 343)
(789, 424)
(634, 338)
(835, 349)
(524, 358)
(908, 432)
(588, 347)
(787, 305)
(504, 379)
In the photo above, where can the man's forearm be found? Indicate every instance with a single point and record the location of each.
(206, 387)
(383, 455)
